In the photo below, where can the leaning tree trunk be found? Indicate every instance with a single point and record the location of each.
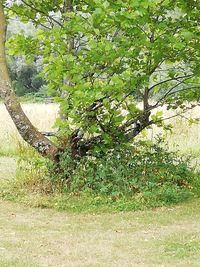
(27, 131)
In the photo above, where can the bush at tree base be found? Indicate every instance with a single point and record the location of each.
(145, 169)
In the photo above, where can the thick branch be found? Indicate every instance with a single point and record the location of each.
(28, 132)
(67, 6)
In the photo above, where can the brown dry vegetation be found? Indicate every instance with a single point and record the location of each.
(43, 238)
(43, 117)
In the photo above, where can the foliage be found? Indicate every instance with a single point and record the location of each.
(24, 75)
(145, 168)
(25, 78)
(100, 57)
(124, 179)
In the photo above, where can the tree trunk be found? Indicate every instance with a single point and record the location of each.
(28, 132)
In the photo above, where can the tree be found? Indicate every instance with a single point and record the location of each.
(28, 132)
(102, 57)
(25, 77)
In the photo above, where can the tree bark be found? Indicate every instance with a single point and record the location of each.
(28, 132)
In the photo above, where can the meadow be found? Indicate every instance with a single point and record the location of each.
(32, 234)
(184, 137)
(47, 238)
(41, 115)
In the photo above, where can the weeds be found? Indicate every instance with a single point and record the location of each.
(146, 176)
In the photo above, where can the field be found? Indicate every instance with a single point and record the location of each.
(44, 238)
(33, 237)
(41, 115)
(185, 136)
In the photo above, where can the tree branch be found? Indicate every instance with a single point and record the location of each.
(169, 91)
(184, 89)
(42, 12)
(169, 80)
(175, 115)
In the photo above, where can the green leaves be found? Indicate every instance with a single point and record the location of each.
(25, 45)
(120, 51)
(187, 35)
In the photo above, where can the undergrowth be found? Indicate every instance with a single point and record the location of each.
(9, 145)
(145, 175)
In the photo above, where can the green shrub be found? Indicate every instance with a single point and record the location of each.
(145, 176)
(146, 170)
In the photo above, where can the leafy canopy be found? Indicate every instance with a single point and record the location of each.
(101, 57)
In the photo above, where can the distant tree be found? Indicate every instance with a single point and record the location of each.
(25, 77)
(101, 56)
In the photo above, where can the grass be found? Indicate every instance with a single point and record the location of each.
(76, 204)
(186, 137)
(158, 237)
(93, 233)
(7, 168)
(182, 246)
(41, 115)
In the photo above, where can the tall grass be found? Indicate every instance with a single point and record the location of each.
(41, 115)
(185, 137)
(31, 185)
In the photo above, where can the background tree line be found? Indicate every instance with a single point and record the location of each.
(25, 75)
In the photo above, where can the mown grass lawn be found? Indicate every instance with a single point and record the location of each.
(32, 237)
(45, 237)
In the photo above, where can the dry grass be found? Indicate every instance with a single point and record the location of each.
(161, 237)
(186, 136)
(41, 115)
(7, 168)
